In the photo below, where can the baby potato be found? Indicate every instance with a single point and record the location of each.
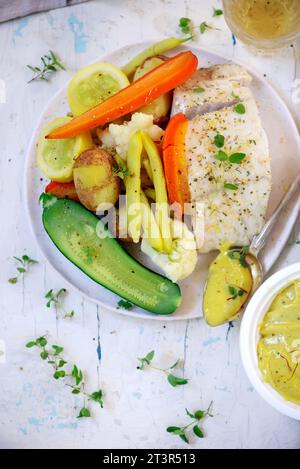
(94, 179)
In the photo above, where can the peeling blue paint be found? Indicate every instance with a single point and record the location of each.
(23, 430)
(80, 38)
(211, 341)
(63, 426)
(35, 422)
(99, 352)
(21, 24)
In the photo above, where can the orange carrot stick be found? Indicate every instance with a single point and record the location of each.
(174, 160)
(160, 80)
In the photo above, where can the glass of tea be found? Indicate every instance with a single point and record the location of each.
(264, 24)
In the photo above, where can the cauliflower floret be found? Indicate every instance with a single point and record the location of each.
(118, 136)
(181, 262)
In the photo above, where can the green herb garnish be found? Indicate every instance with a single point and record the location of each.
(239, 254)
(237, 158)
(240, 108)
(232, 187)
(221, 155)
(198, 89)
(172, 379)
(54, 298)
(219, 140)
(119, 168)
(50, 65)
(124, 304)
(24, 262)
(185, 25)
(203, 27)
(196, 417)
(75, 377)
(217, 12)
(235, 292)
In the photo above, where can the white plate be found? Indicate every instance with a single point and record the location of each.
(285, 152)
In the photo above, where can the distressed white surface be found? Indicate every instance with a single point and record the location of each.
(36, 411)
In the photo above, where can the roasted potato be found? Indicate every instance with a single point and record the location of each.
(160, 107)
(94, 179)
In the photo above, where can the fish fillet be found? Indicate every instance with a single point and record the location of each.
(234, 214)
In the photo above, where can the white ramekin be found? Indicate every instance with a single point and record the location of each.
(249, 335)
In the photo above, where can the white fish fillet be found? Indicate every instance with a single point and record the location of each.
(210, 89)
(233, 216)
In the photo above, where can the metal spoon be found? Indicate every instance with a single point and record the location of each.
(260, 240)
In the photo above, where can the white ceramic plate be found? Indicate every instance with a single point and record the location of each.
(285, 151)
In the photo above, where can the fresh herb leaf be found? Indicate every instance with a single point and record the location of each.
(50, 64)
(237, 158)
(172, 379)
(97, 396)
(185, 25)
(77, 375)
(232, 187)
(204, 26)
(235, 292)
(84, 412)
(13, 280)
(44, 354)
(199, 414)
(24, 262)
(124, 304)
(239, 254)
(176, 381)
(221, 155)
(240, 108)
(198, 432)
(41, 342)
(198, 89)
(31, 344)
(59, 374)
(217, 12)
(119, 168)
(219, 140)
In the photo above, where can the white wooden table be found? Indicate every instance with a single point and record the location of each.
(37, 411)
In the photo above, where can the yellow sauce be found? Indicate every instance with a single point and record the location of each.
(278, 349)
(228, 286)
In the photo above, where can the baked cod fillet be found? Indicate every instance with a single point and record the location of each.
(229, 200)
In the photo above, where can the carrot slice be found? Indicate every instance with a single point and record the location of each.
(175, 166)
(62, 190)
(158, 81)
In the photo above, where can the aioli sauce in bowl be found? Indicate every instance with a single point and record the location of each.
(278, 349)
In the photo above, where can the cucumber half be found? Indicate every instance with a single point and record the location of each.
(85, 241)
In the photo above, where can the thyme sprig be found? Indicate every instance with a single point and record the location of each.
(54, 298)
(23, 265)
(50, 65)
(172, 379)
(196, 417)
(72, 375)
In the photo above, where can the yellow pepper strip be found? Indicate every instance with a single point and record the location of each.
(162, 205)
(150, 227)
(150, 193)
(133, 186)
(147, 167)
(155, 49)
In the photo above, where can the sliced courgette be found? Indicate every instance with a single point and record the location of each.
(86, 242)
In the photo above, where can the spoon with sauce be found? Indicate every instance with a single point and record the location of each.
(237, 272)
